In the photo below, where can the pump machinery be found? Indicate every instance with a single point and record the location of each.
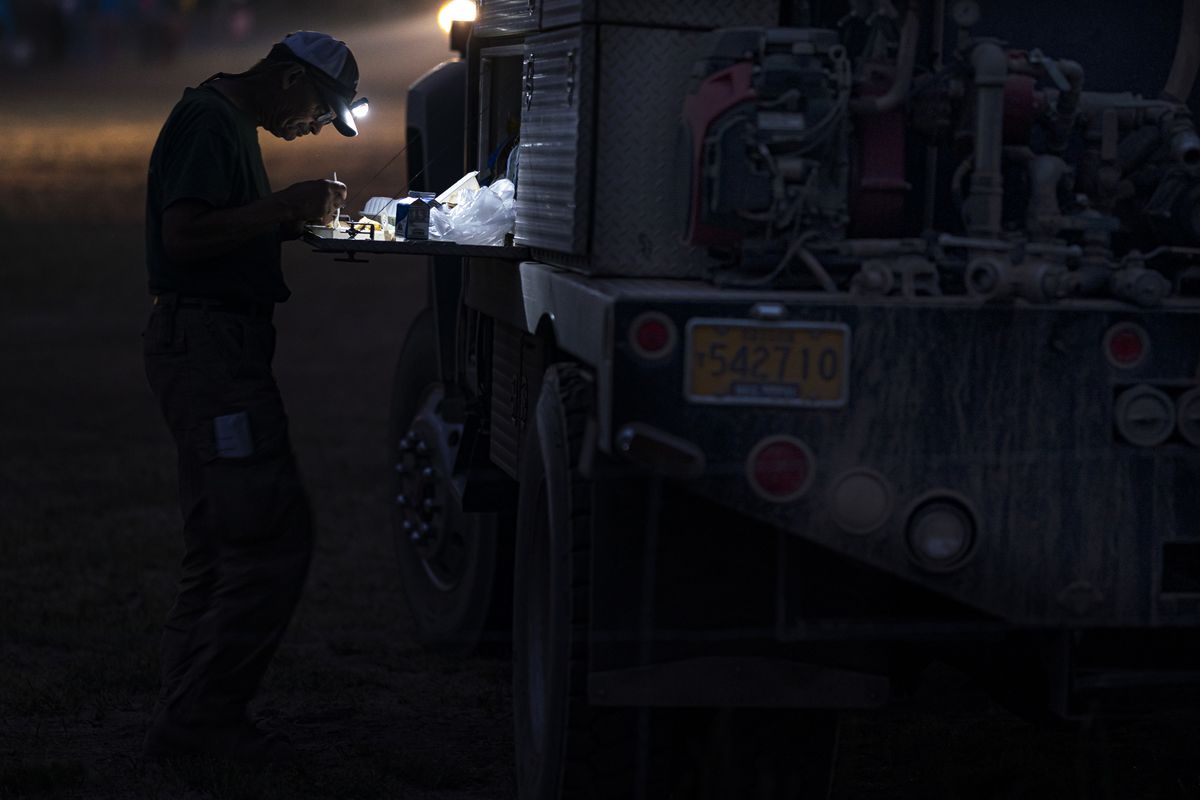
(804, 159)
(832, 340)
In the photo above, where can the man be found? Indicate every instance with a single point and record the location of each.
(213, 232)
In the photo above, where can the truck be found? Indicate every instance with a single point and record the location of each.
(832, 339)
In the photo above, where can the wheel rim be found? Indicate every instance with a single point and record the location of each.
(429, 516)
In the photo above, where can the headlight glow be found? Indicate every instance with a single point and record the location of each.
(456, 11)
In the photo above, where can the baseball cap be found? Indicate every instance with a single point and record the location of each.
(334, 70)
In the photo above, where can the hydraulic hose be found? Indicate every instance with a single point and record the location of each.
(1187, 55)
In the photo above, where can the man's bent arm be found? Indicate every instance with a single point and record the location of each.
(192, 230)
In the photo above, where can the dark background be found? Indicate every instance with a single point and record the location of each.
(89, 527)
(89, 538)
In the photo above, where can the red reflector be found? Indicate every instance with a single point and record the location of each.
(780, 468)
(1125, 345)
(653, 335)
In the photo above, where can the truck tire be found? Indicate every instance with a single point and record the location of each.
(564, 746)
(567, 748)
(449, 560)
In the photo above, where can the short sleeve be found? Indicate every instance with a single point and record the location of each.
(198, 165)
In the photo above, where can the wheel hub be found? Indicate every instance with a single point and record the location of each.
(429, 508)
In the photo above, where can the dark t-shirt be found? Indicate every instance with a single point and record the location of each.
(208, 151)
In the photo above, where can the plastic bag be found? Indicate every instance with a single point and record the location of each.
(483, 217)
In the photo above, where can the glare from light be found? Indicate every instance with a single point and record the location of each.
(360, 109)
(456, 11)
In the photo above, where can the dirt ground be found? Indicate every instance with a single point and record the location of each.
(89, 530)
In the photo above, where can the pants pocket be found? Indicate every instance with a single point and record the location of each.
(249, 473)
(228, 337)
(162, 336)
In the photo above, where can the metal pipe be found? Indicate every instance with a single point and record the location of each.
(875, 248)
(906, 59)
(1187, 55)
(932, 151)
(1068, 251)
(815, 267)
(1044, 217)
(1067, 106)
(1145, 287)
(984, 207)
(998, 245)
(1038, 281)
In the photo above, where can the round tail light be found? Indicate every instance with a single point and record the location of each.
(1188, 416)
(861, 501)
(780, 468)
(1145, 416)
(652, 335)
(1126, 345)
(941, 533)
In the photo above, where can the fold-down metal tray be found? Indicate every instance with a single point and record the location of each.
(323, 244)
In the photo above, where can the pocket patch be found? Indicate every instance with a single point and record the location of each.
(233, 436)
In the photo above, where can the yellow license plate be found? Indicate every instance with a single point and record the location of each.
(768, 363)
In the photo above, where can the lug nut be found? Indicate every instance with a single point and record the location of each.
(414, 537)
(429, 505)
(402, 500)
(422, 448)
(400, 468)
(428, 472)
(423, 528)
(405, 444)
(407, 526)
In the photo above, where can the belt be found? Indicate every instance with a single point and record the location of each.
(246, 308)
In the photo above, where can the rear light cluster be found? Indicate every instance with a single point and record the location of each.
(1187, 411)
(861, 501)
(652, 335)
(1126, 345)
(940, 531)
(1146, 415)
(780, 468)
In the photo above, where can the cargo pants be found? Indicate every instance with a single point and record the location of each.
(246, 522)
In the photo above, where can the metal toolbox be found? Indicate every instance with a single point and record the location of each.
(662, 13)
(506, 17)
(623, 125)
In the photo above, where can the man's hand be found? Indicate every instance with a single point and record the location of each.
(313, 201)
(195, 231)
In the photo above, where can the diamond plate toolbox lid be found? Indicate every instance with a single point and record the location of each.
(680, 14)
(598, 149)
(507, 17)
